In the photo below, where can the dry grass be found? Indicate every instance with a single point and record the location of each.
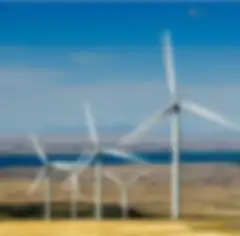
(119, 228)
(206, 189)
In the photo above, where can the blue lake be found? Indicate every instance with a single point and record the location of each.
(191, 157)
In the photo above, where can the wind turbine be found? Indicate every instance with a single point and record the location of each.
(124, 186)
(75, 193)
(46, 171)
(96, 155)
(175, 109)
(76, 169)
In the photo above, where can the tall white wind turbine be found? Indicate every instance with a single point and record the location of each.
(124, 186)
(175, 110)
(96, 158)
(76, 169)
(46, 171)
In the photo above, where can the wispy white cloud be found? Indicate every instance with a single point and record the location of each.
(50, 99)
(37, 104)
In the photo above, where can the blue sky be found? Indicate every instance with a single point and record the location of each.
(54, 56)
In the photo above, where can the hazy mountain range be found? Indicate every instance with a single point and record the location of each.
(77, 143)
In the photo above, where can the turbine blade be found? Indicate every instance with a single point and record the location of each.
(83, 164)
(169, 63)
(83, 160)
(81, 169)
(112, 177)
(77, 169)
(139, 175)
(74, 181)
(123, 155)
(91, 124)
(63, 166)
(144, 127)
(209, 115)
(38, 148)
(37, 181)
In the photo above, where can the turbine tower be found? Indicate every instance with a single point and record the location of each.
(175, 110)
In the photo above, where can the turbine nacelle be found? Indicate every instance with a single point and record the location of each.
(175, 108)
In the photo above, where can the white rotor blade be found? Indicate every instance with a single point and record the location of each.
(119, 181)
(63, 166)
(38, 148)
(139, 175)
(74, 181)
(81, 160)
(77, 169)
(91, 124)
(169, 63)
(144, 127)
(114, 178)
(123, 155)
(81, 165)
(209, 115)
(37, 181)
(80, 169)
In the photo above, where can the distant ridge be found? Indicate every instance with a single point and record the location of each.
(76, 143)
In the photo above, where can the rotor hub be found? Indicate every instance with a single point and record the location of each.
(176, 108)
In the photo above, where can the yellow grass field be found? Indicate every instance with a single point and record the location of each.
(206, 189)
(208, 192)
(119, 228)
